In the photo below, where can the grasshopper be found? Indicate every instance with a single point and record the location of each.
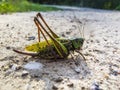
(54, 48)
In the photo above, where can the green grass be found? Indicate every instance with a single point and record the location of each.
(118, 7)
(22, 6)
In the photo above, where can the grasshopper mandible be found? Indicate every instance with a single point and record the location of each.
(54, 48)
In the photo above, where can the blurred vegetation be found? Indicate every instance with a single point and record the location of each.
(36, 5)
(7, 6)
(101, 4)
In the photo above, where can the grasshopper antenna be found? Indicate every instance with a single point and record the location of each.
(81, 29)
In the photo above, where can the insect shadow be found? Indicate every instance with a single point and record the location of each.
(64, 68)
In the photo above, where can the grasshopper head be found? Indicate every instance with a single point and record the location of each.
(77, 43)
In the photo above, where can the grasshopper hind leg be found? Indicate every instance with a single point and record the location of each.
(73, 58)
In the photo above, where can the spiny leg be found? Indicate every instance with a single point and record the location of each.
(40, 16)
(61, 49)
(74, 59)
(81, 54)
(40, 25)
(38, 35)
(37, 22)
(39, 28)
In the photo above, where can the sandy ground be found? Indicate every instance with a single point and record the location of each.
(101, 70)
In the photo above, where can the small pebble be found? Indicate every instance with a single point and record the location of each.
(31, 38)
(95, 86)
(91, 40)
(19, 33)
(5, 68)
(115, 73)
(97, 41)
(24, 73)
(82, 88)
(70, 84)
(105, 39)
(98, 51)
(68, 32)
(12, 27)
(2, 58)
(8, 72)
(63, 35)
(59, 79)
(15, 67)
(35, 68)
(8, 47)
(55, 87)
(106, 76)
(7, 25)
(77, 70)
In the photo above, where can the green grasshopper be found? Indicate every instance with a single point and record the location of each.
(55, 47)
